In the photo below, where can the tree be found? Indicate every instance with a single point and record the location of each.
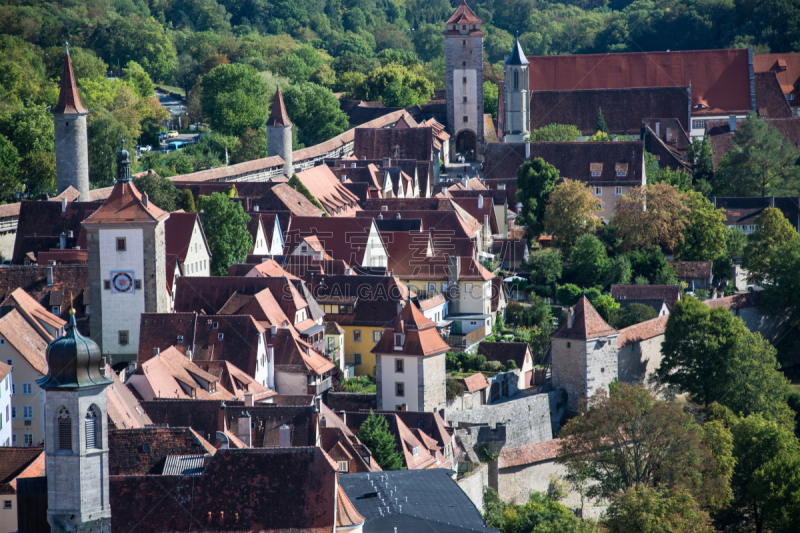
(315, 111)
(542, 513)
(160, 191)
(253, 145)
(10, 183)
(545, 266)
(782, 290)
(187, 201)
(600, 123)
(605, 305)
(571, 212)
(760, 162)
(630, 439)
(773, 230)
(568, 294)
(135, 76)
(225, 224)
(395, 86)
(555, 133)
(39, 173)
(144, 40)
(618, 272)
(702, 160)
(660, 224)
(403, 58)
(295, 183)
(589, 261)
(104, 132)
(535, 181)
(490, 95)
(633, 313)
(234, 99)
(374, 434)
(651, 510)
(429, 41)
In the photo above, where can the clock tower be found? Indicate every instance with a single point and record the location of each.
(127, 266)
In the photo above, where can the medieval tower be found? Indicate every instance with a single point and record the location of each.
(279, 133)
(76, 441)
(516, 96)
(72, 153)
(127, 266)
(464, 81)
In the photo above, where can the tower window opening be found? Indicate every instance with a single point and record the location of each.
(516, 80)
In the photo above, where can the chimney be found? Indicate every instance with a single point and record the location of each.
(270, 352)
(732, 122)
(353, 165)
(285, 436)
(570, 317)
(480, 201)
(50, 276)
(273, 330)
(318, 403)
(248, 399)
(344, 178)
(344, 416)
(156, 352)
(487, 232)
(387, 162)
(62, 242)
(145, 200)
(70, 234)
(658, 129)
(527, 150)
(397, 216)
(404, 407)
(255, 208)
(380, 216)
(63, 205)
(244, 428)
(384, 208)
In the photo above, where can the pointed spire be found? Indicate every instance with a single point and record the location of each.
(69, 101)
(463, 15)
(278, 116)
(517, 56)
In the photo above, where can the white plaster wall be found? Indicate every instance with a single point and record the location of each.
(5, 411)
(479, 301)
(142, 386)
(23, 372)
(375, 254)
(461, 108)
(198, 260)
(409, 377)
(121, 311)
(261, 244)
(290, 382)
(8, 517)
(262, 365)
(276, 246)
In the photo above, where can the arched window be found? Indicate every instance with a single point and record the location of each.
(516, 80)
(64, 423)
(92, 430)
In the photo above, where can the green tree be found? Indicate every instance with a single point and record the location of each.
(225, 224)
(760, 162)
(773, 230)
(160, 191)
(10, 183)
(315, 111)
(429, 41)
(618, 272)
(702, 159)
(30, 129)
(600, 123)
(374, 434)
(651, 510)
(490, 95)
(659, 225)
(395, 85)
(252, 146)
(605, 305)
(39, 173)
(555, 133)
(144, 40)
(535, 181)
(235, 99)
(633, 313)
(568, 294)
(542, 513)
(782, 291)
(135, 76)
(295, 183)
(104, 132)
(571, 212)
(545, 266)
(589, 261)
(403, 58)
(187, 201)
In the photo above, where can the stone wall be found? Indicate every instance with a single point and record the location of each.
(601, 364)
(515, 483)
(473, 485)
(432, 383)
(351, 401)
(569, 369)
(279, 142)
(72, 154)
(527, 419)
(640, 359)
(456, 55)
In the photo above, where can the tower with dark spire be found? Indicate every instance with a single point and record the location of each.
(279, 133)
(463, 40)
(516, 96)
(72, 153)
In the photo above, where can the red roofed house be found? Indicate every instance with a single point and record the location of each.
(410, 363)
(787, 68)
(16, 463)
(337, 200)
(356, 241)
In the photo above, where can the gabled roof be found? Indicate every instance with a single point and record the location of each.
(19, 462)
(410, 143)
(283, 197)
(405, 439)
(530, 453)
(162, 330)
(178, 230)
(124, 411)
(420, 335)
(786, 67)
(292, 354)
(669, 293)
(329, 191)
(21, 335)
(342, 238)
(67, 280)
(34, 313)
(235, 339)
(173, 375)
(235, 379)
(770, 100)
(586, 324)
(642, 331)
(269, 269)
(278, 116)
(451, 224)
(125, 206)
(41, 224)
(475, 382)
(69, 100)
(127, 456)
(463, 15)
(376, 299)
(503, 351)
(517, 56)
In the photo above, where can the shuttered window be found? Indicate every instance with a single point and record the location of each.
(64, 430)
(91, 430)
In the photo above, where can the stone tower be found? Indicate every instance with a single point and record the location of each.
(279, 133)
(72, 153)
(127, 266)
(76, 441)
(516, 96)
(584, 354)
(464, 81)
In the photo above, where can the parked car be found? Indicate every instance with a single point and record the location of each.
(172, 133)
(144, 148)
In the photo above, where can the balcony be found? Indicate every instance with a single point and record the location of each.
(465, 341)
(319, 387)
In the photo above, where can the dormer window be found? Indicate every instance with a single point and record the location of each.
(399, 340)
(415, 451)
(212, 386)
(596, 169)
(622, 169)
(180, 339)
(215, 325)
(220, 336)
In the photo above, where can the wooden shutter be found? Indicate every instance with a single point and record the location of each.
(64, 434)
(91, 431)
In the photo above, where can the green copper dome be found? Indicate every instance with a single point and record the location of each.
(73, 361)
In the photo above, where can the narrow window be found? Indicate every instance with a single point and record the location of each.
(400, 389)
(123, 336)
(376, 336)
(431, 287)
(220, 336)
(516, 80)
(464, 42)
(56, 310)
(107, 284)
(463, 63)
(121, 245)
(398, 366)
(356, 335)
(465, 99)
(92, 432)
(357, 359)
(463, 80)
(466, 118)
(64, 430)
(598, 191)
(618, 191)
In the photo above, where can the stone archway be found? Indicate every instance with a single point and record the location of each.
(466, 140)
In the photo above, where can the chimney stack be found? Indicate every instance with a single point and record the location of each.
(156, 352)
(658, 129)
(480, 201)
(732, 123)
(244, 428)
(527, 150)
(63, 205)
(62, 241)
(397, 216)
(248, 399)
(344, 416)
(273, 330)
(145, 200)
(570, 317)
(285, 436)
(387, 162)
(49, 276)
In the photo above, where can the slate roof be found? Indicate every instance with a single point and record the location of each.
(278, 115)
(410, 143)
(719, 79)
(517, 56)
(124, 411)
(41, 224)
(669, 293)
(642, 331)
(427, 500)
(623, 108)
(376, 299)
(69, 100)
(19, 462)
(770, 100)
(742, 211)
(588, 324)
(692, 269)
(128, 455)
(529, 453)
(503, 351)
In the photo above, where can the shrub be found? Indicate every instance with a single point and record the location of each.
(511, 364)
(454, 388)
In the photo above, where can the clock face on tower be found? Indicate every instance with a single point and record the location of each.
(122, 281)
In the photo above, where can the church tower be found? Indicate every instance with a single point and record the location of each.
(126, 266)
(72, 152)
(279, 133)
(516, 96)
(76, 435)
(463, 40)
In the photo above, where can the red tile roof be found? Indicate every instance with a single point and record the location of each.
(34, 313)
(377, 143)
(669, 293)
(240, 169)
(67, 280)
(530, 453)
(346, 514)
(436, 268)
(69, 100)
(342, 238)
(127, 455)
(329, 191)
(475, 382)
(124, 411)
(278, 116)
(642, 331)
(161, 330)
(19, 462)
(463, 15)
(692, 269)
(124, 206)
(292, 354)
(405, 439)
(587, 324)
(420, 335)
(770, 100)
(173, 375)
(236, 380)
(178, 230)
(786, 67)
(719, 79)
(736, 301)
(4, 370)
(26, 340)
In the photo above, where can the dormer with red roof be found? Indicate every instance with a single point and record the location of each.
(126, 242)
(584, 353)
(411, 349)
(72, 153)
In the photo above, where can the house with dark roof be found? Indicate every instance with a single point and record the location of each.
(355, 241)
(124, 410)
(720, 134)
(668, 293)
(741, 213)
(342, 444)
(420, 144)
(697, 274)
(16, 463)
(186, 240)
(44, 226)
(504, 352)
(139, 452)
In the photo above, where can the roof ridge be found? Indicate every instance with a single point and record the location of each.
(278, 115)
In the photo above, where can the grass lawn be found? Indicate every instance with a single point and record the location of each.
(171, 89)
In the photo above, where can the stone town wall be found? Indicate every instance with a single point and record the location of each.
(569, 369)
(601, 364)
(351, 401)
(473, 485)
(640, 360)
(432, 384)
(515, 483)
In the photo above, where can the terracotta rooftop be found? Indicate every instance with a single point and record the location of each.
(475, 382)
(25, 339)
(529, 453)
(463, 15)
(163, 330)
(587, 324)
(720, 136)
(405, 439)
(19, 462)
(231, 171)
(736, 301)
(669, 293)
(292, 354)
(770, 100)
(178, 231)
(69, 100)
(346, 514)
(420, 336)
(786, 67)
(125, 205)
(36, 315)
(642, 331)
(236, 380)
(719, 79)
(437, 268)
(278, 115)
(342, 238)
(124, 411)
(377, 299)
(329, 191)
(409, 143)
(67, 280)
(41, 224)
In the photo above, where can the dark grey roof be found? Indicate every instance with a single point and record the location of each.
(183, 465)
(517, 56)
(421, 500)
(655, 303)
(402, 224)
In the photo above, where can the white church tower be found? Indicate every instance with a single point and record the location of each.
(516, 96)
(76, 442)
